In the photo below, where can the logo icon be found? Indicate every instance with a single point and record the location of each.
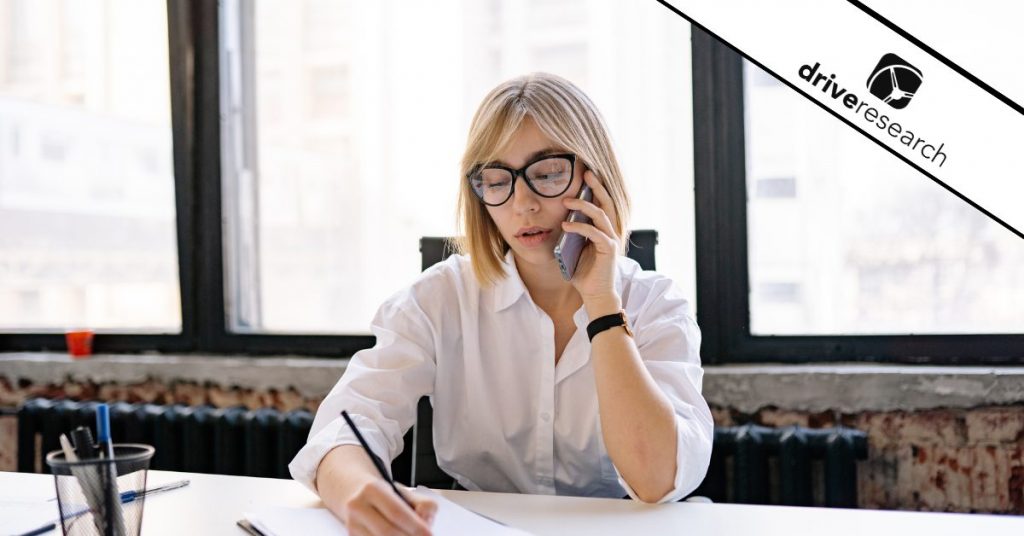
(894, 81)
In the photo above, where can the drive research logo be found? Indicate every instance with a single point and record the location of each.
(896, 90)
(894, 81)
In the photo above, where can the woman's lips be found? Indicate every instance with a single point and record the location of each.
(534, 240)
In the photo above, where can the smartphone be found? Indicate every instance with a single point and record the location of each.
(570, 245)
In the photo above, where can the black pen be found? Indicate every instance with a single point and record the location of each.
(376, 461)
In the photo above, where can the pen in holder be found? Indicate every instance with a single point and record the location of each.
(89, 491)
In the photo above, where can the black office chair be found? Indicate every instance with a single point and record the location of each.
(417, 464)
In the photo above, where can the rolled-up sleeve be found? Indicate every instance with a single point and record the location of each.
(379, 389)
(668, 340)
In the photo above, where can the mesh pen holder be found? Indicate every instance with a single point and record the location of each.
(98, 496)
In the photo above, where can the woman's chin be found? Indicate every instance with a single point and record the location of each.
(534, 255)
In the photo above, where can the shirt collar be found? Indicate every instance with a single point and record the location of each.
(508, 291)
(511, 288)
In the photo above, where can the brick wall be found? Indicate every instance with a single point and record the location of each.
(961, 460)
(958, 460)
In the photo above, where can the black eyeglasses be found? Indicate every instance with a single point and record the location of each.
(548, 176)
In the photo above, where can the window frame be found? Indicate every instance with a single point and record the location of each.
(194, 63)
(720, 212)
(180, 52)
(723, 280)
(210, 313)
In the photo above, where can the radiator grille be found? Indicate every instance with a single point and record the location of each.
(790, 466)
(749, 464)
(199, 439)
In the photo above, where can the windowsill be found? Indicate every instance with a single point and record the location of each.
(846, 388)
(310, 377)
(856, 387)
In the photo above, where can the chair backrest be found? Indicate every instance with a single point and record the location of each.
(418, 464)
(434, 249)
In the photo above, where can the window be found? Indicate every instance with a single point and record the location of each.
(878, 247)
(347, 121)
(86, 176)
(840, 251)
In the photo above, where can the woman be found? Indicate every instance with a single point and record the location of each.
(524, 399)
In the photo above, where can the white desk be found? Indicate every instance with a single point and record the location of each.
(212, 504)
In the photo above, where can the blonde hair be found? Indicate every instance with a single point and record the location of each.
(563, 113)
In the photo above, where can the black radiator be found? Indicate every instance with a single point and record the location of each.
(790, 466)
(199, 439)
(749, 464)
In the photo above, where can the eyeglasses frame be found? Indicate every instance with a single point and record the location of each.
(521, 172)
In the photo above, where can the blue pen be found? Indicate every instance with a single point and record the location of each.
(129, 496)
(103, 431)
(113, 517)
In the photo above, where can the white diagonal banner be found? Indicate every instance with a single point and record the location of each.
(952, 129)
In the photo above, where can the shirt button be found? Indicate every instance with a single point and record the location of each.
(545, 416)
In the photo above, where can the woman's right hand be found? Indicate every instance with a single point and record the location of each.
(374, 509)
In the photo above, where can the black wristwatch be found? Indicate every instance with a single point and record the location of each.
(607, 322)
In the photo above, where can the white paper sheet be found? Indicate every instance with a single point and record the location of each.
(451, 520)
(455, 520)
(19, 517)
(282, 521)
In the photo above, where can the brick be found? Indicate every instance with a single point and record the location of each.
(147, 391)
(721, 416)
(878, 477)
(113, 392)
(906, 494)
(313, 404)
(992, 426)
(990, 479)
(937, 427)
(779, 418)
(1015, 457)
(288, 400)
(938, 479)
(9, 394)
(225, 398)
(190, 394)
(8, 443)
(254, 400)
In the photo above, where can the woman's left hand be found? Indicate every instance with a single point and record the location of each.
(597, 270)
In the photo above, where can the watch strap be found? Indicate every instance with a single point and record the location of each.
(607, 322)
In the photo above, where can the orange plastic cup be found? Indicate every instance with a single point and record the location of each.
(79, 342)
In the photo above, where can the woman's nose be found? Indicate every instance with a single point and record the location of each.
(523, 198)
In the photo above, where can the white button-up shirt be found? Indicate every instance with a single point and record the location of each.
(506, 417)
